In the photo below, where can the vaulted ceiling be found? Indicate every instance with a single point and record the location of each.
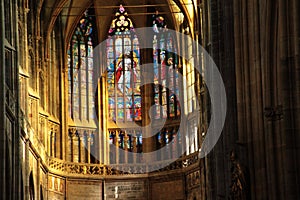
(70, 12)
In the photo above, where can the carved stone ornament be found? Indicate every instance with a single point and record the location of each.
(239, 180)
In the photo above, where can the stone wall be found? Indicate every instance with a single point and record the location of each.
(134, 190)
(170, 186)
(84, 190)
(167, 187)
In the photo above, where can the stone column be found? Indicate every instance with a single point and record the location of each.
(125, 140)
(69, 147)
(149, 143)
(57, 142)
(81, 146)
(88, 137)
(65, 115)
(2, 104)
(38, 177)
(288, 91)
(134, 149)
(74, 145)
(117, 147)
(27, 167)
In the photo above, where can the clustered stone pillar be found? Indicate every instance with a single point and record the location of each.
(75, 147)
(82, 146)
(79, 146)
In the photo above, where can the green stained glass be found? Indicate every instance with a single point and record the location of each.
(123, 68)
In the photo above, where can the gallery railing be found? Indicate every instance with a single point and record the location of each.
(70, 168)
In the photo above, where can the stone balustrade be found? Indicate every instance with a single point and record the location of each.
(71, 168)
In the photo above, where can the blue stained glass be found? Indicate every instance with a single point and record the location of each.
(120, 102)
(159, 137)
(128, 100)
(166, 73)
(90, 47)
(80, 54)
(136, 45)
(111, 102)
(110, 65)
(123, 67)
(110, 76)
(172, 105)
(140, 139)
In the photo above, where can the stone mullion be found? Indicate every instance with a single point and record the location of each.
(126, 138)
(68, 154)
(117, 147)
(81, 148)
(52, 148)
(65, 111)
(72, 133)
(134, 149)
(104, 146)
(57, 142)
(89, 148)
(49, 140)
(75, 147)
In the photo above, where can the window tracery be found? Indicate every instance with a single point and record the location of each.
(123, 70)
(80, 62)
(166, 74)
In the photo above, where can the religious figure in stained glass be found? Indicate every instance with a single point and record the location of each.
(166, 79)
(123, 70)
(80, 63)
(130, 74)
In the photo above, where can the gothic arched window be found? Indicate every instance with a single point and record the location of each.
(80, 62)
(123, 71)
(166, 75)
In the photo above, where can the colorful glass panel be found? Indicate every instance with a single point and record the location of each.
(80, 62)
(123, 71)
(166, 78)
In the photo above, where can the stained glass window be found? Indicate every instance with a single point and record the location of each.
(123, 70)
(166, 79)
(170, 139)
(80, 62)
(123, 85)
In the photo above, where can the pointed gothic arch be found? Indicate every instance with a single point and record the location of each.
(81, 68)
(166, 73)
(123, 70)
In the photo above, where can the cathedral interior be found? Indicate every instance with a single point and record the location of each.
(149, 99)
